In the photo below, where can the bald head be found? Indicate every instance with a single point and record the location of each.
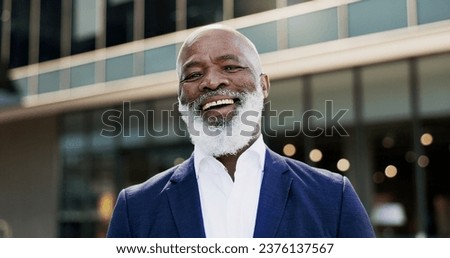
(223, 41)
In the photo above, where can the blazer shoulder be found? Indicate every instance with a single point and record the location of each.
(153, 186)
(309, 173)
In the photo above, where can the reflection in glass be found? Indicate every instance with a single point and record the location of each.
(85, 24)
(366, 17)
(160, 17)
(50, 30)
(48, 82)
(203, 12)
(119, 67)
(119, 22)
(242, 8)
(20, 28)
(312, 28)
(432, 11)
(263, 36)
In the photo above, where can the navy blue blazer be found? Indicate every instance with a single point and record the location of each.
(296, 200)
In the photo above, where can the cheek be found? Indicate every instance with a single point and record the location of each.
(245, 83)
(187, 95)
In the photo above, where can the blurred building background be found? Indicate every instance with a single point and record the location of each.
(78, 76)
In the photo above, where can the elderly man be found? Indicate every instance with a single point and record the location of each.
(233, 185)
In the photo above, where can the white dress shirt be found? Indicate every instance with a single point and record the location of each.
(229, 208)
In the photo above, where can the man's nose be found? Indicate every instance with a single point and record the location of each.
(213, 80)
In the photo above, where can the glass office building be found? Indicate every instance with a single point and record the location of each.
(361, 88)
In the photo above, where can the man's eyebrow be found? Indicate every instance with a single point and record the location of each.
(228, 57)
(191, 64)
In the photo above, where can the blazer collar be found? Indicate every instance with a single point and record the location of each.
(273, 196)
(184, 198)
(184, 201)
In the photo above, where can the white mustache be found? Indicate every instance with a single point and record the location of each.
(195, 105)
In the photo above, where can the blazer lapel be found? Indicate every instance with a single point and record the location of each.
(273, 196)
(184, 201)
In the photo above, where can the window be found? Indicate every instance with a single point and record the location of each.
(20, 22)
(160, 17)
(203, 12)
(82, 75)
(333, 92)
(119, 67)
(264, 36)
(242, 8)
(434, 83)
(119, 22)
(292, 2)
(48, 82)
(313, 28)
(386, 92)
(50, 30)
(366, 17)
(432, 11)
(85, 24)
(160, 59)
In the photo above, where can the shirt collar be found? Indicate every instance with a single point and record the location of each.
(258, 148)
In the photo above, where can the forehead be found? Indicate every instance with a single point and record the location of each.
(215, 44)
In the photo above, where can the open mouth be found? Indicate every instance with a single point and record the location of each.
(218, 104)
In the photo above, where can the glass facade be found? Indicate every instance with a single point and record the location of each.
(203, 12)
(262, 36)
(50, 30)
(85, 25)
(119, 67)
(366, 17)
(363, 17)
(82, 75)
(242, 8)
(20, 29)
(313, 28)
(160, 59)
(160, 17)
(434, 11)
(119, 22)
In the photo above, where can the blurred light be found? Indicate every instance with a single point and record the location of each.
(106, 205)
(343, 165)
(423, 161)
(315, 155)
(5, 229)
(388, 142)
(388, 214)
(289, 150)
(5, 16)
(390, 171)
(426, 139)
(178, 160)
(410, 156)
(378, 177)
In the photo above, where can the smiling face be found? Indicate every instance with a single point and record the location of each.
(214, 66)
(221, 91)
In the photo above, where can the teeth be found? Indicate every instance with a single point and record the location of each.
(217, 103)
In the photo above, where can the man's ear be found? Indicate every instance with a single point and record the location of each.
(265, 84)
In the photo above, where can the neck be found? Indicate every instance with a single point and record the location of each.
(230, 161)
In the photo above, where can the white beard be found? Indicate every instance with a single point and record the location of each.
(226, 137)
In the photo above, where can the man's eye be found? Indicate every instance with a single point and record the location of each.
(233, 68)
(191, 77)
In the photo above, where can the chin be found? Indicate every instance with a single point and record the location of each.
(232, 133)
